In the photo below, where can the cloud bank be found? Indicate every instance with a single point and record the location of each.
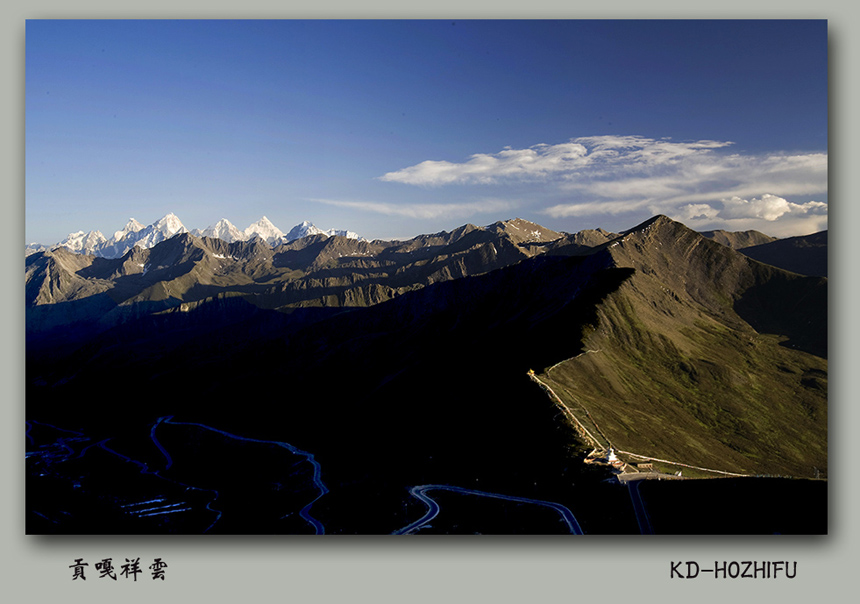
(735, 213)
(590, 157)
(623, 174)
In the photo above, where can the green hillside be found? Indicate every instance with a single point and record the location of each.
(675, 369)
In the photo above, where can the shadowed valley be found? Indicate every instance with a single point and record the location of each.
(396, 364)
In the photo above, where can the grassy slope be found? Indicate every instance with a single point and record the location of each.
(679, 375)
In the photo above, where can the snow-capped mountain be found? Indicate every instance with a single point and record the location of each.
(347, 234)
(265, 230)
(132, 226)
(135, 234)
(83, 243)
(145, 237)
(223, 229)
(306, 229)
(159, 231)
(34, 248)
(121, 242)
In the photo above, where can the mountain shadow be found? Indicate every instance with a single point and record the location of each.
(416, 371)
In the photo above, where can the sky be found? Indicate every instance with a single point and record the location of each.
(395, 128)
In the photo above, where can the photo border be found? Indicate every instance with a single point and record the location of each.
(384, 569)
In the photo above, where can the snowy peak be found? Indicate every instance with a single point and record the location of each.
(34, 248)
(132, 226)
(83, 243)
(347, 234)
(135, 234)
(169, 226)
(265, 230)
(224, 230)
(157, 232)
(305, 229)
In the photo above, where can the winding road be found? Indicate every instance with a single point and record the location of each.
(317, 476)
(68, 451)
(420, 492)
(642, 518)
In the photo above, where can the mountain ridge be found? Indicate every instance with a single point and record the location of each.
(406, 363)
(695, 348)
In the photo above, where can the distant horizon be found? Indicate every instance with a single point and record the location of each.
(393, 129)
(286, 230)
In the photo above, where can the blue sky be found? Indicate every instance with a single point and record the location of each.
(395, 128)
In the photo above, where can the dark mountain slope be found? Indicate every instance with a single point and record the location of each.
(429, 386)
(397, 368)
(805, 255)
(315, 271)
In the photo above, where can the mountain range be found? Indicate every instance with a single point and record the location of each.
(492, 358)
(135, 234)
(806, 255)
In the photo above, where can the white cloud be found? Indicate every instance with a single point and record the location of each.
(697, 211)
(589, 208)
(486, 168)
(789, 225)
(425, 210)
(612, 175)
(761, 214)
(768, 207)
(589, 156)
